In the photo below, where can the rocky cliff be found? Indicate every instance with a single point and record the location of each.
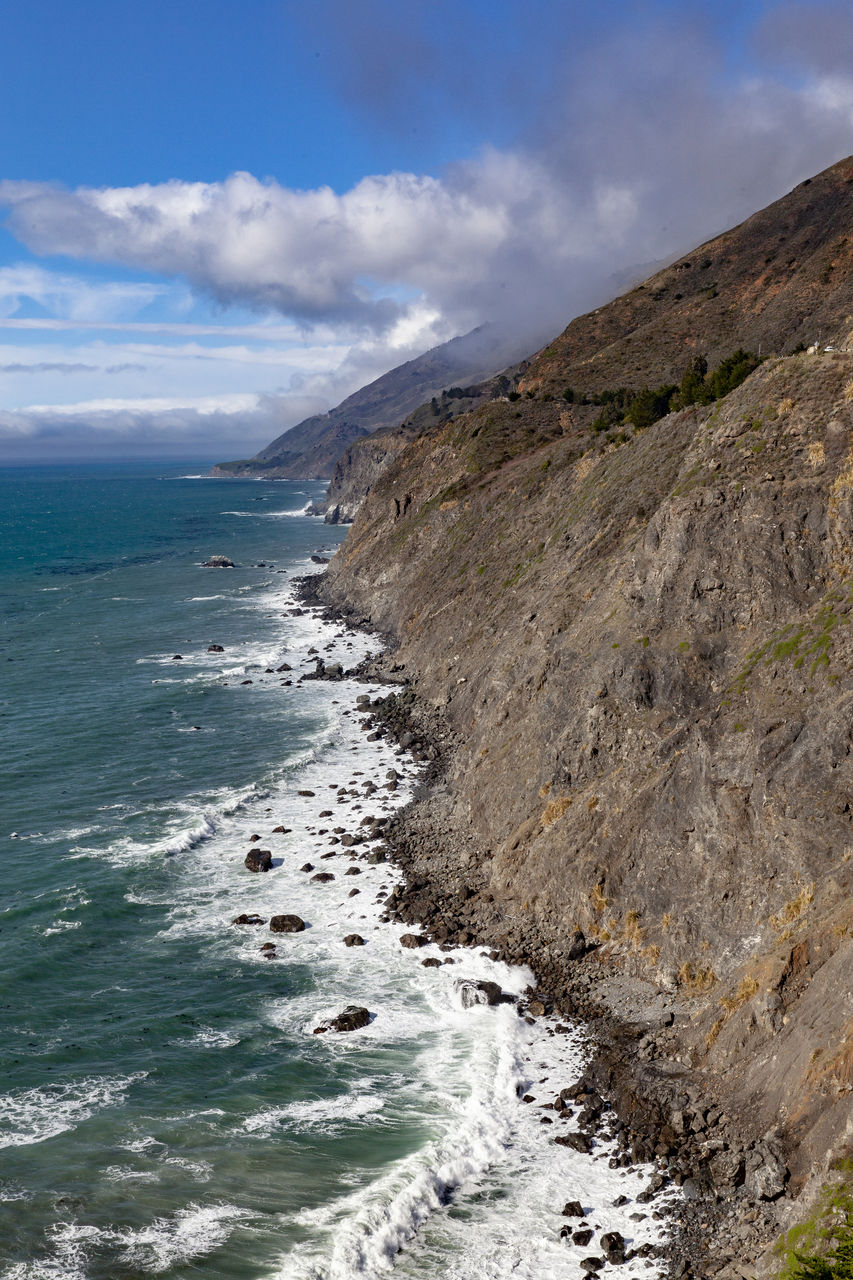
(641, 648)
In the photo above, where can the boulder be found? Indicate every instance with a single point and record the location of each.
(578, 946)
(765, 1173)
(612, 1245)
(248, 919)
(215, 648)
(307, 866)
(583, 1236)
(577, 1141)
(573, 1209)
(323, 877)
(413, 940)
(478, 991)
(431, 962)
(354, 940)
(287, 924)
(218, 562)
(353, 1017)
(258, 860)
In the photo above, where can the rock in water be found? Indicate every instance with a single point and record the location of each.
(287, 924)
(354, 940)
(258, 860)
(613, 1247)
(353, 1017)
(412, 940)
(472, 992)
(218, 562)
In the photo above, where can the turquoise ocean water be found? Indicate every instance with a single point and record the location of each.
(165, 1108)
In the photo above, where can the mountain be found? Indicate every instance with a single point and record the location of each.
(310, 450)
(631, 646)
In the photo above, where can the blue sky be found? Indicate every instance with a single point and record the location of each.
(218, 217)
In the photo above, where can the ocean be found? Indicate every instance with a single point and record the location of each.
(165, 1105)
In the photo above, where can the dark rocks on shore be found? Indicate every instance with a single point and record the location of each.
(612, 1245)
(352, 1019)
(577, 1141)
(286, 924)
(413, 940)
(277, 831)
(354, 940)
(431, 962)
(307, 866)
(258, 860)
(323, 877)
(573, 1209)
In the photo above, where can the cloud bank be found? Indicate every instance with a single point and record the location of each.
(645, 143)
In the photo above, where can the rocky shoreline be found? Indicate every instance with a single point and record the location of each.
(733, 1181)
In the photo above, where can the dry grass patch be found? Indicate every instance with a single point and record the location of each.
(695, 981)
(794, 909)
(554, 810)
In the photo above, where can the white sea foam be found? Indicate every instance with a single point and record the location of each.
(34, 1115)
(270, 515)
(326, 1115)
(208, 1038)
(190, 1233)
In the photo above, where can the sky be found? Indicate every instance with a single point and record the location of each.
(218, 217)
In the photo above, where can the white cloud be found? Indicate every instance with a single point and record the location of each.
(71, 298)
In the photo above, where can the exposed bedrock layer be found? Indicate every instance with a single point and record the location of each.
(639, 658)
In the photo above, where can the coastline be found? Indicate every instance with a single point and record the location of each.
(665, 1111)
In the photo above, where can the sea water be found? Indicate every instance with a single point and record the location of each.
(166, 1107)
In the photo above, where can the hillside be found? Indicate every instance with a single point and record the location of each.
(637, 645)
(310, 450)
(780, 280)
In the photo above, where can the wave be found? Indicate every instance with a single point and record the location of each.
(29, 1116)
(270, 515)
(190, 1233)
(324, 1114)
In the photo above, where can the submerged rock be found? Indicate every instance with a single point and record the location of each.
(248, 919)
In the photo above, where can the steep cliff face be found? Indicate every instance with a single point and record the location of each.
(644, 651)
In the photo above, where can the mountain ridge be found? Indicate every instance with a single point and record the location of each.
(310, 449)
